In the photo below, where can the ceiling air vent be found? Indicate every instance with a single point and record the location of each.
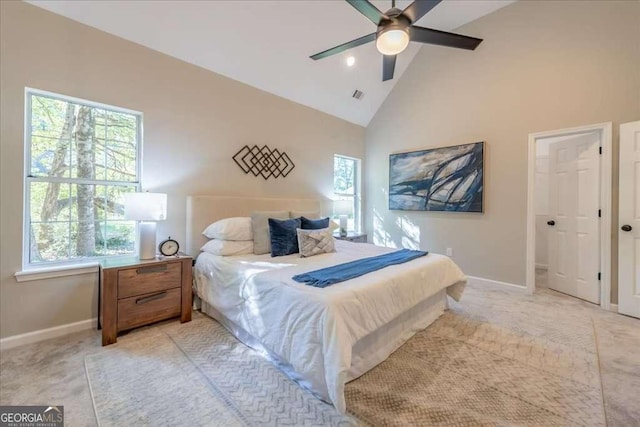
(358, 94)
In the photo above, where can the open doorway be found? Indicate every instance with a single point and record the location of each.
(569, 212)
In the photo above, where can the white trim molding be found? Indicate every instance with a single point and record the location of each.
(484, 282)
(29, 93)
(45, 334)
(58, 271)
(606, 159)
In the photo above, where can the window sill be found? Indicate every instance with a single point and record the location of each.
(59, 271)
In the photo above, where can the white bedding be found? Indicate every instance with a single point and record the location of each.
(312, 329)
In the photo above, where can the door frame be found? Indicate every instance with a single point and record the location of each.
(606, 159)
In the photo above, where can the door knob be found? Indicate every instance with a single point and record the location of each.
(551, 223)
(626, 227)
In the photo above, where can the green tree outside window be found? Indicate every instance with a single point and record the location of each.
(82, 158)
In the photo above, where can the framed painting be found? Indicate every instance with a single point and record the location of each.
(449, 179)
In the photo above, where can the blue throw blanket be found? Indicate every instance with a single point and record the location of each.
(341, 272)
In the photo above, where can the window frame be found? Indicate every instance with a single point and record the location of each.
(356, 196)
(27, 265)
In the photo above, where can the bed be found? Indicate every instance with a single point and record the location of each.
(322, 338)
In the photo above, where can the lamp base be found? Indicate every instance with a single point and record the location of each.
(344, 220)
(147, 240)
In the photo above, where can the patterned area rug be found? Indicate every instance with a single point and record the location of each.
(187, 374)
(494, 359)
(151, 382)
(461, 372)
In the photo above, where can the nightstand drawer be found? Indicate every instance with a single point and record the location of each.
(143, 309)
(149, 278)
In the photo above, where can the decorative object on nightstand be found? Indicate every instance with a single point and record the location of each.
(135, 292)
(352, 236)
(169, 247)
(343, 208)
(146, 208)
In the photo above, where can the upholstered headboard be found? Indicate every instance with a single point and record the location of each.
(203, 210)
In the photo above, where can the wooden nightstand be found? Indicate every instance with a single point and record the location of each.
(136, 292)
(352, 236)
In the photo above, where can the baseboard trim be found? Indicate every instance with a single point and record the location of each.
(613, 307)
(45, 334)
(58, 331)
(483, 281)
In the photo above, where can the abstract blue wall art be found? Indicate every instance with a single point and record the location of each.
(438, 179)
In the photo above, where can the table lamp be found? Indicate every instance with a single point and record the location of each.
(343, 208)
(146, 208)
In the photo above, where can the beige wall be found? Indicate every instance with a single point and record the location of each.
(543, 66)
(194, 121)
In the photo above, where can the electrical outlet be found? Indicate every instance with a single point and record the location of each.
(449, 251)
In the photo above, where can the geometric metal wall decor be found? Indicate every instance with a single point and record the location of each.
(264, 161)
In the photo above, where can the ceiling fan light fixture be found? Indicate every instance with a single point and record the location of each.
(395, 31)
(392, 41)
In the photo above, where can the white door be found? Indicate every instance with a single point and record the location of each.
(629, 232)
(574, 240)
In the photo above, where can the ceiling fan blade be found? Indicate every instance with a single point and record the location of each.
(348, 45)
(442, 38)
(388, 66)
(368, 10)
(419, 8)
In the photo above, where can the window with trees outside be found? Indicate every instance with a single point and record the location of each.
(346, 186)
(81, 158)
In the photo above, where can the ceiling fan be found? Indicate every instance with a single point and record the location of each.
(396, 30)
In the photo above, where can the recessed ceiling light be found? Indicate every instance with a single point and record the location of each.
(351, 60)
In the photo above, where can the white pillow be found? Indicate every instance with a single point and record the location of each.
(238, 228)
(228, 247)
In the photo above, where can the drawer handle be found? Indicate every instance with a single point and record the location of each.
(150, 298)
(154, 269)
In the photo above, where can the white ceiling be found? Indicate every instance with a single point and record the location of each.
(267, 44)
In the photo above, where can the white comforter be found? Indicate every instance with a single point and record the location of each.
(314, 329)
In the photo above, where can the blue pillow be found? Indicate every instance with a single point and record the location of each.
(314, 224)
(284, 238)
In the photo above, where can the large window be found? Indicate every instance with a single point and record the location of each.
(81, 158)
(346, 186)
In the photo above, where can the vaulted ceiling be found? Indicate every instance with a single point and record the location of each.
(266, 44)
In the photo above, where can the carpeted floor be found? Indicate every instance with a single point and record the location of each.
(496, 358)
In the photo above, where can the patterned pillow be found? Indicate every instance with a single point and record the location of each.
(315, 242)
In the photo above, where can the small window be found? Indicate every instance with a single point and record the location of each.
(81, 158)
(346, 186)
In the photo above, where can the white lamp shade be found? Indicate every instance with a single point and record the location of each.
(145, 206)
(343, 207)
